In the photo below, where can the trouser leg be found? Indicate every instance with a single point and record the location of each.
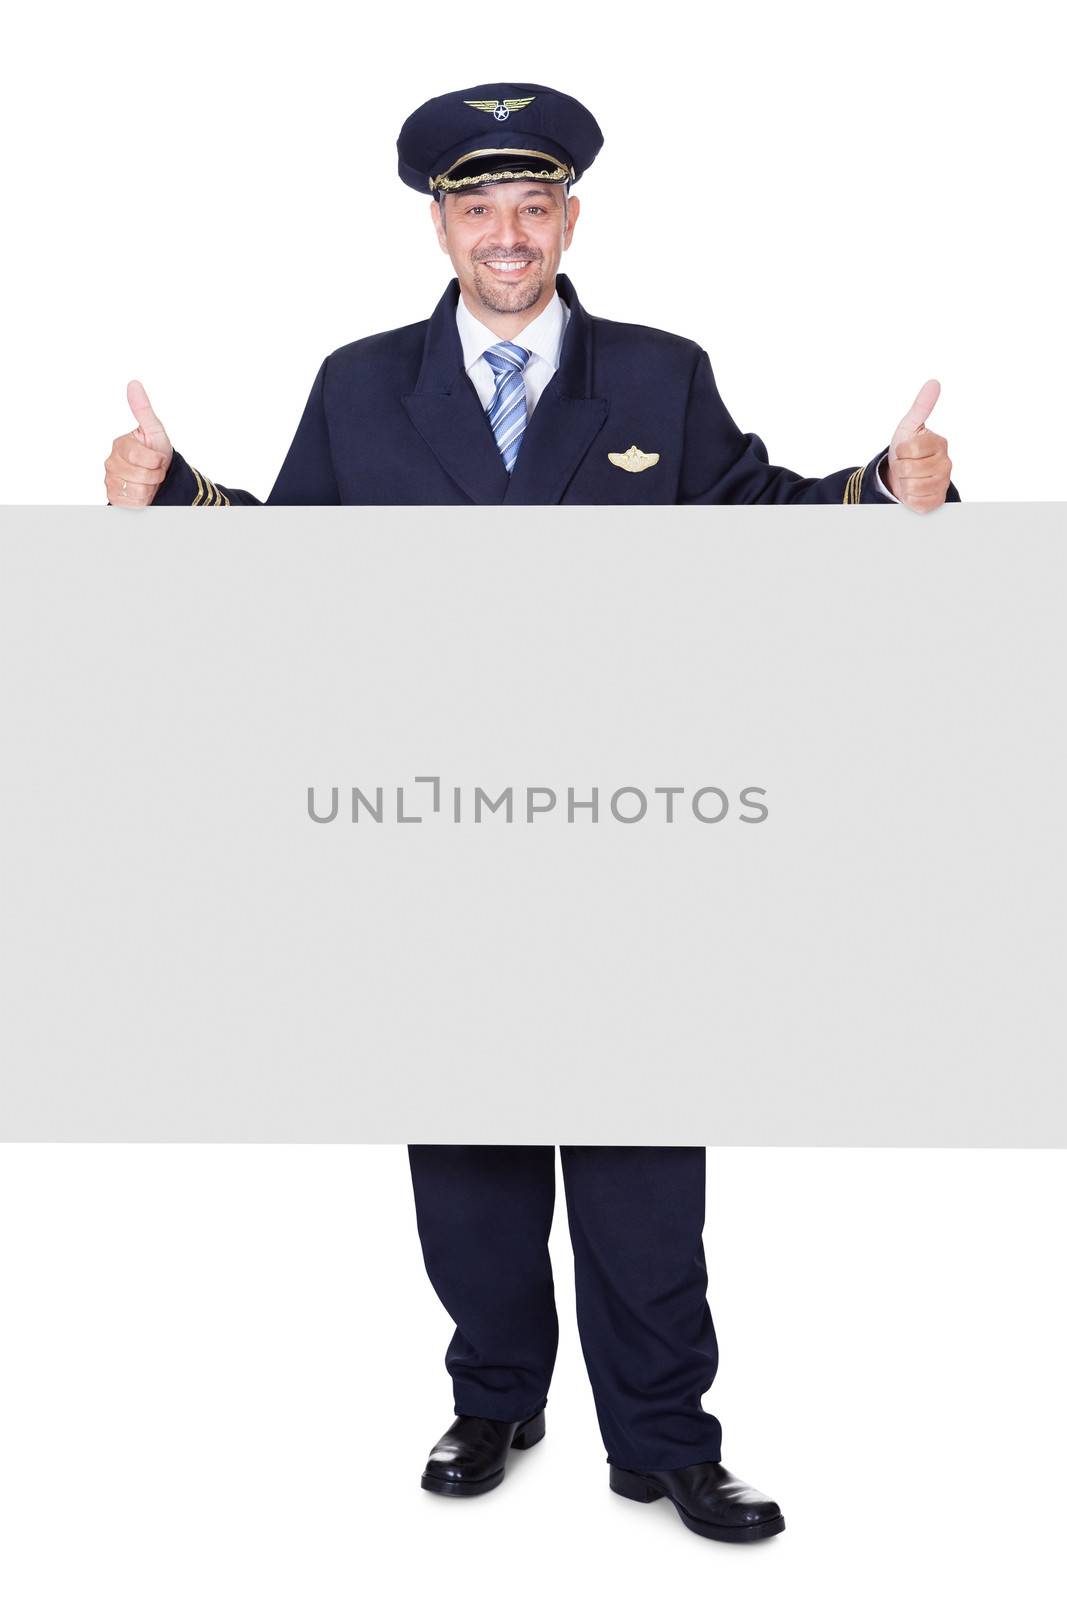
(484, 1214)
(636, 1216)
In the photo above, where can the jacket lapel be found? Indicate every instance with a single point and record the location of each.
(566, 419)
(447, 412)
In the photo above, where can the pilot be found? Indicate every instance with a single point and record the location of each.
(511, 393)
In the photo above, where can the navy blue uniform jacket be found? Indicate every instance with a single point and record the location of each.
(394, 420)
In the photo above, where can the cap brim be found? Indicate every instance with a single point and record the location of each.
(480, 167)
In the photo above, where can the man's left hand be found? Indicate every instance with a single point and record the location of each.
(918, 470)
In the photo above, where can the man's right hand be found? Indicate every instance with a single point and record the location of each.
(139, 460)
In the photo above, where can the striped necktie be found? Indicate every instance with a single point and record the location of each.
(507, 409)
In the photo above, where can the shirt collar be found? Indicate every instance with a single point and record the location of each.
(542, 337)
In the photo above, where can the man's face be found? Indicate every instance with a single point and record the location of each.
(505, 241)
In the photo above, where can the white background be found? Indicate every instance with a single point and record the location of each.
(837, 200)
(223, 1371)
(222, 1367)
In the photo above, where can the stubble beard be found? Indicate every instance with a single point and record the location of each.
(505, 297)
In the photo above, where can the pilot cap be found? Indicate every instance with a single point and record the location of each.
(496, 133)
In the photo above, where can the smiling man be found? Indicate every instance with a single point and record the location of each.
(511, 393)
(579, 410)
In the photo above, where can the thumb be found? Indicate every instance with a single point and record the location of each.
(151, 430)
(914, 419)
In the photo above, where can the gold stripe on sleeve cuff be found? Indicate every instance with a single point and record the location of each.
(207, 493)
(851, 496)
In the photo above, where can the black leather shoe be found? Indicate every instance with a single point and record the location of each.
(708, 1499)
(470, 1458)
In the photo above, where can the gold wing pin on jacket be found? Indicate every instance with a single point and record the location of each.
(632, 460)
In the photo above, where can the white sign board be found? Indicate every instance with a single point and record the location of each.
(737, 825)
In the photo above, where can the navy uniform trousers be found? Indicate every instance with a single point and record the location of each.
(394, 420)
(636, 1216)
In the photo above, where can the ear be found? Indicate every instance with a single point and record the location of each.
(437, 208)
(573, 207)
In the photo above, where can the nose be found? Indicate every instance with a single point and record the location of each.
(513, 234)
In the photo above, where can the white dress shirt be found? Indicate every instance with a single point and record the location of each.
(543, 337)
(878, 479)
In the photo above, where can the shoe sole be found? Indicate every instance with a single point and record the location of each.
(455, 1486)
(528, 1435)
(632, 1486)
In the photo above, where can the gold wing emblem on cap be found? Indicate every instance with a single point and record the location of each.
(632, 460)
(500, 109)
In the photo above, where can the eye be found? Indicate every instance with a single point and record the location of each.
(472, 210)
(539, 209)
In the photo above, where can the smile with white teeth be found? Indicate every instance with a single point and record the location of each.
(506, 266)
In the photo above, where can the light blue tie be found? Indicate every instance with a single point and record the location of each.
(507, 409)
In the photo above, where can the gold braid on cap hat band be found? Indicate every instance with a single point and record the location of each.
(447, 183)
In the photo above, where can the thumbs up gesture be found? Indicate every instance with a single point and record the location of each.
(139, 460)
(919, 470)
